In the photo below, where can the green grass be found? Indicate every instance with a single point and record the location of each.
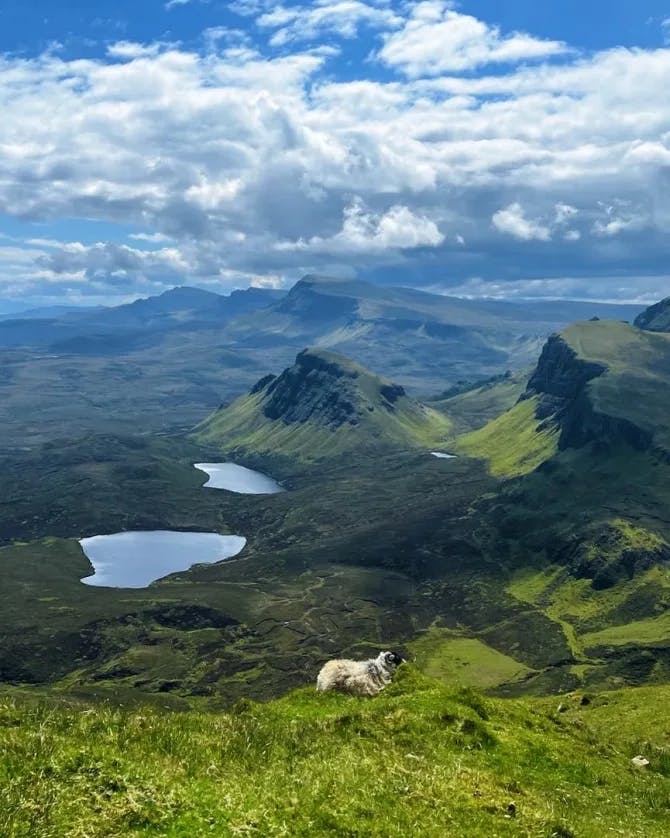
(377, 423)
(591, 617)
(636, 383)
(473, 408)
(420, 759)
(511, 443)
(466, 661)
(652, 630)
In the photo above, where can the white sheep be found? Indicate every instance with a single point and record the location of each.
(359, 677)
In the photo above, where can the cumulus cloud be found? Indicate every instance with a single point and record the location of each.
(512, 221)
(366, 232)
(172, 4)
(237, 162)
(436, 39)
(617, 218)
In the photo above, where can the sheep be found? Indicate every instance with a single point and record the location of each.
(359, 677)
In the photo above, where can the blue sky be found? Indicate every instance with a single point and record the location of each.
(477, 148)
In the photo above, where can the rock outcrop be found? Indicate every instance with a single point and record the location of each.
(561, 380)
(317, 386)
(656, 318)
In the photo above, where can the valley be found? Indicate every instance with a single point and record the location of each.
(162, 364)
(520, 530)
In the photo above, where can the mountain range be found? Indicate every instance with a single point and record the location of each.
(165, 362)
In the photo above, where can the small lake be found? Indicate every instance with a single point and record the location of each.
(135, 559)
(239, 479)
(442, 456)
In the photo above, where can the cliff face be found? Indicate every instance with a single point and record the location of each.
(316, 387)
(656, 318)
(561, 380)
(306, 301)
(560, 376)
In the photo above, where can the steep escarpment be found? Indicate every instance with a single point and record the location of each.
(656, 318)
(319, 386)
(323, 406)
(598, 382)
(561, 382)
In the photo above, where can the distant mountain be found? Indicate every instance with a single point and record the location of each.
(321, 407)
(168, 360)
(422, 340)
(135, 325)
(45, 312)
(656, 318)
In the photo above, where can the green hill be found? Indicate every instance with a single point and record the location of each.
(420, 759)
(472, 405)
(585, 519)
(323, 407)
(602, 382)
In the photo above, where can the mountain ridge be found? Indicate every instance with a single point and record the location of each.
(323, 400)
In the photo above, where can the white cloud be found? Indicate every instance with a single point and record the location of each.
(150, 238)
(639, 290)
(130, 49)
(564, 212)
(240, 165)
(363, 231)
(342, 18)
(435, 39)
(172, 4)
(617, 218)
(512, 221)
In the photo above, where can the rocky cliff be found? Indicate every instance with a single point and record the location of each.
(324, 405)
(656, 318)
(320, 387)
(562, 382)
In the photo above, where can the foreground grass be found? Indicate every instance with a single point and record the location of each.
(419, 760)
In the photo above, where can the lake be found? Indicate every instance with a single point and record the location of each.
(239, 479)
(135, 559)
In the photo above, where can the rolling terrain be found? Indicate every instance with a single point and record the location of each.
(537, 560)
(164, 363)
(309, 411)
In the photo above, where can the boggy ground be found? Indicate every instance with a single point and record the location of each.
(485, 581)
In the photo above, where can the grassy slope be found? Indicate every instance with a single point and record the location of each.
(420, 759)
(634, 387)
(243, 425)
(511, 443)
(473, 408)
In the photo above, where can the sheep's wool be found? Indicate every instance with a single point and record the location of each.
(358, 677)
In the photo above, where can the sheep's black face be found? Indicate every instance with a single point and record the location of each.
(393, 659)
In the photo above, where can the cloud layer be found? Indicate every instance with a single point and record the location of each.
(250, 159)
